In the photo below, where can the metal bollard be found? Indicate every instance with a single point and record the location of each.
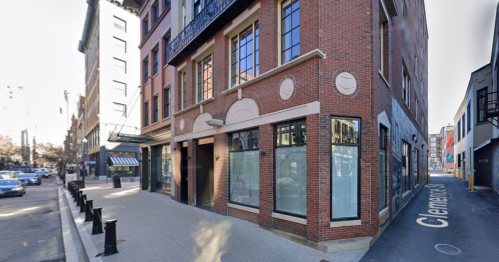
(110, 245)
(97, 223)
(89, 216)
(83, 199)
(77, 193)
(78, 198)
(116, 181)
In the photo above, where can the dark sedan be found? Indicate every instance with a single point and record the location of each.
(30, 179)
(12, 187)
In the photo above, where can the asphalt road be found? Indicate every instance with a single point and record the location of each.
(470, 225)
(30, 226)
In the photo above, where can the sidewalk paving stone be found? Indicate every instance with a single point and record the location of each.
(152, 227)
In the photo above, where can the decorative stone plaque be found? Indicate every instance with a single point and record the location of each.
(287, 88)
(182, 124)
(346, 83)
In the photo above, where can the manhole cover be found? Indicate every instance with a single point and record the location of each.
(481, 210)
(447, 249)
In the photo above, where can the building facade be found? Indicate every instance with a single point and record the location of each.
(491, 108)
(447, 142)
(435, 151)
(473, 131)
(281, 117)
(156, 91)
(109, 41)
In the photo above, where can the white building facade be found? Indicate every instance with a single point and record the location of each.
(109, 41)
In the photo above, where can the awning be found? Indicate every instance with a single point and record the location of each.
(122, 161)
(127, 138)
(482, 145)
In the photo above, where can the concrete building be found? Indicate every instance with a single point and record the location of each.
(435, 151)
(473, 130)
(109, 41)
(272, 102)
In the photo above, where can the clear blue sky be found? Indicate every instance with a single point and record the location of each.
(38, 51)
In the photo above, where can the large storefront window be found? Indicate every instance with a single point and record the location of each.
(291, 168)
(382, 167)
(345, 166)
(245, 168)
(121, 170)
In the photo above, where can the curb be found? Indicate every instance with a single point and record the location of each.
(88, 244)
(69, 246)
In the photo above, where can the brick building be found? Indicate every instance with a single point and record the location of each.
(156, 168)
(309, 117)
(435, 154)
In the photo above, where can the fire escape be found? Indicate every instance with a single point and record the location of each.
(491, 108)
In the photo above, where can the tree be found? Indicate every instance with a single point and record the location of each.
(49, 154)
(10, 153)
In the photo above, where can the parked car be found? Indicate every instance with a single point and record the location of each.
(5, 175)
(42, 173)
(12, 187)
(15, 174)
(30, 179)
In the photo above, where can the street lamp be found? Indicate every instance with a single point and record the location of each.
(85, 158)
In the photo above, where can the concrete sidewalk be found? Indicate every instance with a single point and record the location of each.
(152, 227)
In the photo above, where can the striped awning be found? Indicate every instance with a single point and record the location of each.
(122, 161)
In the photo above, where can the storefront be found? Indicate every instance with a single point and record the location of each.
(124, 164)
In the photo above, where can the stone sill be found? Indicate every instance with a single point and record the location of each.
(194, 106)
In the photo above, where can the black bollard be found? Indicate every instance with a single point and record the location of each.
(97, 223)
(83, 198)
(88, 211)
(77, 193)
(110, 245)
(78, 198)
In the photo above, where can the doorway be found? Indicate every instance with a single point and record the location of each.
(483, 166)
(183, 175)
(204, 175)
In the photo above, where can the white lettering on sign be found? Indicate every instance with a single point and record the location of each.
(437, 208)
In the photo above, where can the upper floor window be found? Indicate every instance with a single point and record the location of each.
(184, 15)
(155, 112)
(120, 45)
(290, 30)
(166, 42)
(468, 110)
(119, 65)
(197, 7)
(204, 79)
(155, 61)
(481, 102)
(459, 130)
(146, 113)
(155, 13)
(416, 111)
(463, 125)
(245, 50)
(121, 108)
(383, 41)
(145, 65)
(167, 4)
(146, 25)
(119, 24)
(166, 102)
(406, 87)
(183, 79)
(121, 87)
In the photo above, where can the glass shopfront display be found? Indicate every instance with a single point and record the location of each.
(245, 168)
(345, 168)
(291, 168)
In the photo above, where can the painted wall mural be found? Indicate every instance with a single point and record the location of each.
(450, 149)
(403, 129)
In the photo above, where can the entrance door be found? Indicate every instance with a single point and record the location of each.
(204, 174)
(483, 161)
(183, 175)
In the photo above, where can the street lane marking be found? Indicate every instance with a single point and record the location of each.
(437, 207)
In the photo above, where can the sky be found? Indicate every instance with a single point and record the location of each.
(38, 52)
